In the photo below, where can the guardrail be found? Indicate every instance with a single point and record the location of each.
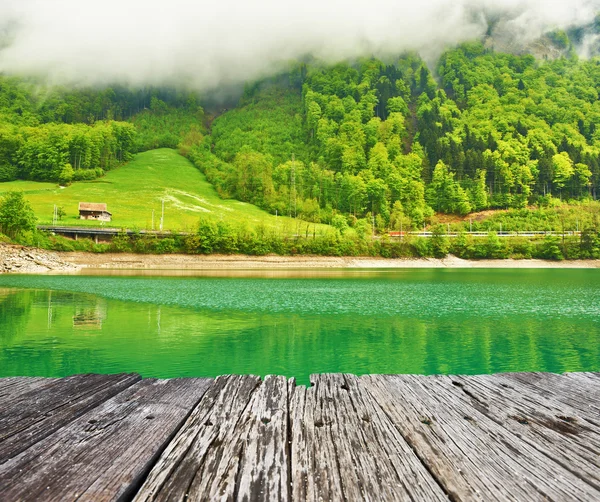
(400, 235)
(102, 231)
(97, 232)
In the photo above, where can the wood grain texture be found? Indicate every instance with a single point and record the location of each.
(12, 387)
(345, 448)
(28, 417)
(584, 396)
(397, 437)
(105, 453)
(471, 455)
(553, 428)
(198, 463)
(314, 466)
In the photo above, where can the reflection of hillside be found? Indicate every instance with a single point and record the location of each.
(14, 313)
(430, 322)
(90, 314)
(56, 298)
(87, 311)
(89, 319)
(179, 342)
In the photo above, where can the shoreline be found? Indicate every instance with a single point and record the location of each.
(19, 259)
(89, 261)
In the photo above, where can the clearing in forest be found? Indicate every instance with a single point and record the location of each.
(134, 190)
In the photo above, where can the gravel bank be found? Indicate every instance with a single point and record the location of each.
(18, 259)
(241, 262)
(22, 260)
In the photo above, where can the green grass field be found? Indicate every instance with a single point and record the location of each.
(134, 190)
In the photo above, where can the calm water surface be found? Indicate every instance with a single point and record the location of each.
(412, 321)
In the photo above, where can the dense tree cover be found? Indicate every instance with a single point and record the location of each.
(530, 127)
(366, 143)
(28, 102)
(250, 149)
(63, 135)
(328, 141)
(164, 125)
(389, 143)
(63, 152)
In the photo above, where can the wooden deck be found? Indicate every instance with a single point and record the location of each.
(526, 436)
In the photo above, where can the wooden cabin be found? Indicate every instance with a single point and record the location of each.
(94, 211)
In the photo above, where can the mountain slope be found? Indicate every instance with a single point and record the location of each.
(138, 188)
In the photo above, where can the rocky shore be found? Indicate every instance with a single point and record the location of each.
(22, 260)
(105, 262)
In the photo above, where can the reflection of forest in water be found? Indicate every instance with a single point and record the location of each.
(88, 311)
(90, 316)
(41, 334)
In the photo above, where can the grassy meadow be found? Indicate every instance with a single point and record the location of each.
(133, 191)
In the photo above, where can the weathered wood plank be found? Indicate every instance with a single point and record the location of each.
(13, 387)
(551, 427)
(567, 389)
(105, 453)
(34, 415)
(591, 382)
(594, 376)
(314, 468)
(199, 445)
(345, 448)
(262, 468)
(471, 455)
(251, 463)
(500, 437)
(559, 402)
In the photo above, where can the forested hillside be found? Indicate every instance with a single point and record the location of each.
(386, 141)
(398, 142)
(64, 135)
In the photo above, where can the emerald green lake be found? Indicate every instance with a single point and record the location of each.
(409, 321)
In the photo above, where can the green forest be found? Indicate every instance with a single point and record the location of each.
(387, 144)
(398, 142)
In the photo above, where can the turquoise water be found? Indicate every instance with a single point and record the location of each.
(410, 321)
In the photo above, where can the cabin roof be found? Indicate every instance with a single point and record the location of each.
(92, 206)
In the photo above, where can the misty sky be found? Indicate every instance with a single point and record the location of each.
(206, 44)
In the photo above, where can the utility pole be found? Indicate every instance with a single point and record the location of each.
(162, 217)
(294, 181)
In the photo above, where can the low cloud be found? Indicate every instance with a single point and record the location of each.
(205, 45)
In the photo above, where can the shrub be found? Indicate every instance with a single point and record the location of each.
(121, 243)
(440, 244)
(421, 247)
(164, 246)
(550, 249)
(16, 215)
